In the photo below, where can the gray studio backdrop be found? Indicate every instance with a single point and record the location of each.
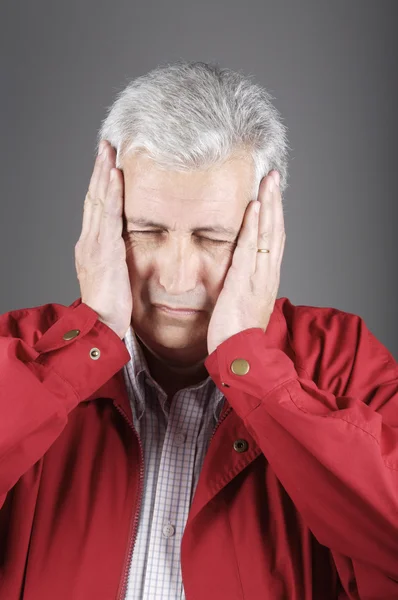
(332, 68)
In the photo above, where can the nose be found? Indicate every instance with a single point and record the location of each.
(178, 264)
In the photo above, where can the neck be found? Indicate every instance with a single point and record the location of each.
(169, 375)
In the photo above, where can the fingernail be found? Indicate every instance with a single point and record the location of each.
(277, 177)
(101, 147)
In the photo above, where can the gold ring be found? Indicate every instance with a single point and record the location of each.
(263, 250)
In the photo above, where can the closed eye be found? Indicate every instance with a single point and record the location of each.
(202, 238)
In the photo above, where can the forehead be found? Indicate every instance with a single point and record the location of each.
(229, 183)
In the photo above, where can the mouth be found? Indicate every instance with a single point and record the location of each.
(176, 312)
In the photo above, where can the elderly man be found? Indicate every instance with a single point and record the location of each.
(178, 431)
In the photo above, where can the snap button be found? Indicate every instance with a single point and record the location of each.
(241, 445)
(95, 353)
(69, 335)
(240, 366)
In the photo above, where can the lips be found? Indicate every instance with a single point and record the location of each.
(180, 312)
(177, 309)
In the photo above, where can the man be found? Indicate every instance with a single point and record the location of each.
(230, 446)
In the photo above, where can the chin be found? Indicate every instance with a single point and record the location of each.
(172, 336)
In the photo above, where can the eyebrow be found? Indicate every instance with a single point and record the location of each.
(142, 222)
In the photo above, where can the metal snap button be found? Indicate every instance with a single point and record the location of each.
(95, 353)
(241, 445)
(240, 366)
(69, 335)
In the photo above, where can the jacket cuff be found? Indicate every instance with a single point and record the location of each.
(268, 368)
(84, 362)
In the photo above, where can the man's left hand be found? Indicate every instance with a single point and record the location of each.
(251, 285)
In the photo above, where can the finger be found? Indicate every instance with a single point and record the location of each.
(276, 176)
(282, 250)
(242, 261)
(111, 220)
(101, 189)
(266, 218)
(262, 234)
(279, 234)
(271, 228)
(88, 204)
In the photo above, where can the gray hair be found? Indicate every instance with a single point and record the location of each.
(192, 116)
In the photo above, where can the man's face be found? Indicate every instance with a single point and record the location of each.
(178, 264)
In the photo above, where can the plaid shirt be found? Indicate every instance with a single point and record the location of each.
(174, 441)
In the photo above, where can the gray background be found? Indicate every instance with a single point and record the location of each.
(331, 67)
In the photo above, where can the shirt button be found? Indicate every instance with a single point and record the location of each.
(168, 530)
(179, 439)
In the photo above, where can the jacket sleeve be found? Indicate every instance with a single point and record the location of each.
(41, 383)
(336, 456)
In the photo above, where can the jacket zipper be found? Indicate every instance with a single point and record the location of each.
(220, 420)
(137, 513)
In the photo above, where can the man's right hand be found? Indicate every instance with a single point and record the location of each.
(100, 252)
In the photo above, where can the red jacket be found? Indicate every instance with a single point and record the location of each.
(304, 507)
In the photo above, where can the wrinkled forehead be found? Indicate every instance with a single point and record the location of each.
(227, 187)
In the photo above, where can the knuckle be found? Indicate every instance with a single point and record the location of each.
(264, 236)
(91, 200)
(97, 201)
